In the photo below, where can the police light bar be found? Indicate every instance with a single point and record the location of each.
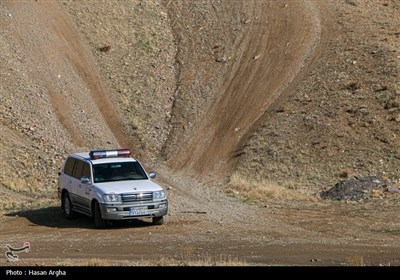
(110, 153)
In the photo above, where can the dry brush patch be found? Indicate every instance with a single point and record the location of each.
(184, 260)
(355, 260)
(243, 187)
(190, 259)
(22, 193)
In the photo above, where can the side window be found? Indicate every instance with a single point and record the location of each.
(86, 170)
(69, 166)
(78, 171)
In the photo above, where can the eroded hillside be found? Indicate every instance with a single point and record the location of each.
(296, 92)
(282, 98)
(343, 118)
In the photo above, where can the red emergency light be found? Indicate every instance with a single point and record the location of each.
(110, 153)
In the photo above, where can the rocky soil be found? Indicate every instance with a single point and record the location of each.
(301, 94)
(342, 119)
(358, 189)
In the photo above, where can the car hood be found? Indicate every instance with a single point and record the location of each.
(131, 186)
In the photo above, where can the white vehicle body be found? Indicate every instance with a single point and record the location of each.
(110, 185)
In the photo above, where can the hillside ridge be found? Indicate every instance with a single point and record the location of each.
(190, 86)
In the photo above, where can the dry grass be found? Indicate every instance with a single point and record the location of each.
(21, 202)
(24, 193)
(194, 260)
(186, 257)
(98, 262)
(146, 43)
(355, 260)
(29, 185)
(70, 262)
(260, 190)
(17, 184)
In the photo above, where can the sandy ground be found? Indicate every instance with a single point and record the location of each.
(204, 223)
(205, 226)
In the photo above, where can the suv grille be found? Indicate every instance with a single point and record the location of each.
(132, 197)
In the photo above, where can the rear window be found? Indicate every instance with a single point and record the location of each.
(69, 166)
(78, 171)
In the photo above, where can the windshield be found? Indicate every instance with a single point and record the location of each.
(118, 171)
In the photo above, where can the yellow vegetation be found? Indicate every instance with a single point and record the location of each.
(261, 190)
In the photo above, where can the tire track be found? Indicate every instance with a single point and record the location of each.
(67, 47)
(273, 53)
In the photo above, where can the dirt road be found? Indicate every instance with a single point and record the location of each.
(206, 227)
(204, 224)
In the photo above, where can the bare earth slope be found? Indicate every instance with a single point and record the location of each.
(276, 42)
(342, 119)
(53, 100)
(201, 90)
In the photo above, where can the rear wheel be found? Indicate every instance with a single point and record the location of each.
(158, 220)
(67, 206)
(98, 220)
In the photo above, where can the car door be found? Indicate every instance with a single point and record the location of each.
(66, 179)
(84, 190)
(76, 183)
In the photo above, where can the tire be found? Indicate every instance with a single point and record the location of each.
(99, 222)
(158, 221)
(67, 206)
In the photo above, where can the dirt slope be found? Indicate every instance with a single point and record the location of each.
(56, 44)
(277, 42)
(53, 99)
(342, 119)
(192, 85)
(266, 89)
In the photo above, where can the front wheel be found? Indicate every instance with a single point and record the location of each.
(98, 220)
(158, 220)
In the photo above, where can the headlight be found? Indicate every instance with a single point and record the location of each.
(112, 197)
(158, 195)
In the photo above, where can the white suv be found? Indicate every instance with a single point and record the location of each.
(110, 185)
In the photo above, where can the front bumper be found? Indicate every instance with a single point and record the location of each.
(124, 211)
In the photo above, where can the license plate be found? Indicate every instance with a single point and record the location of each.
(138, 211)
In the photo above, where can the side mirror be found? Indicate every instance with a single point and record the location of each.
(152, 174)
(85, 180)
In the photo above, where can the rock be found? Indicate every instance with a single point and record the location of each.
(381, 88)
(221, 59)
(344, 173)
(393, 190)
(104, 49)
(393, 103)
(352, 86)
(351, 2)
(354, 189)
